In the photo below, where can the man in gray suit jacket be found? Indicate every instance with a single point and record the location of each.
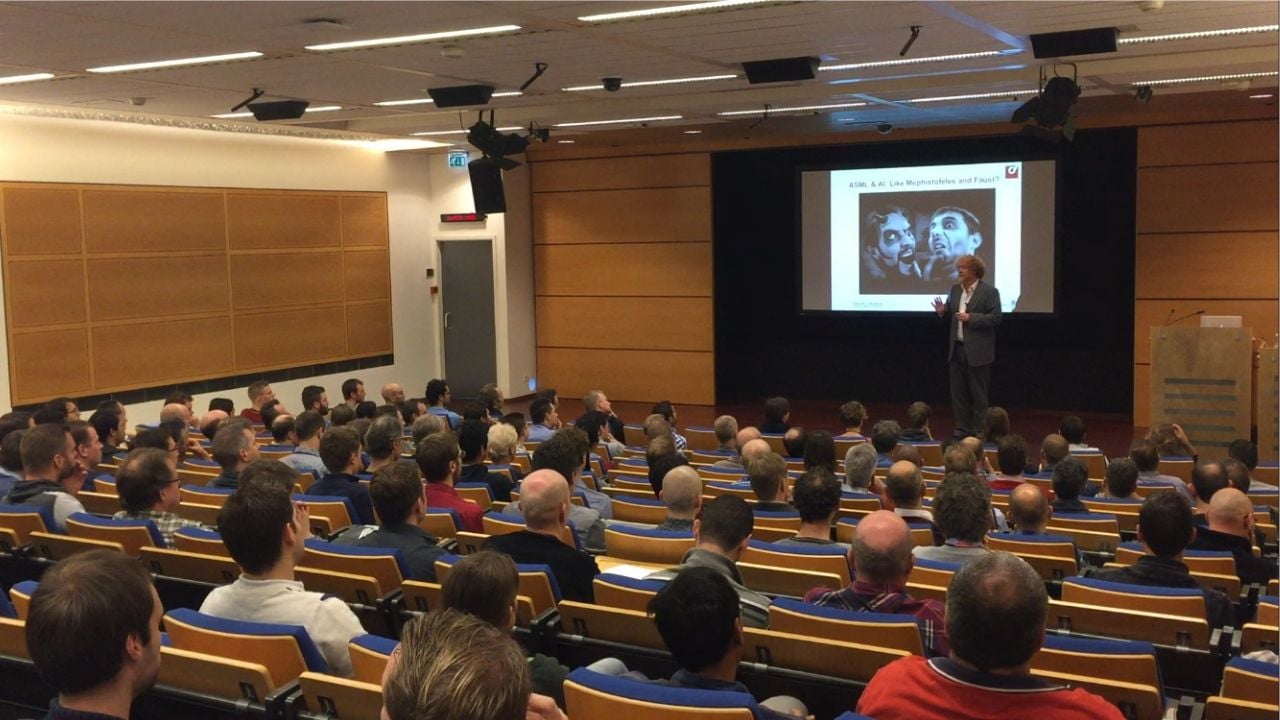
(974, 310)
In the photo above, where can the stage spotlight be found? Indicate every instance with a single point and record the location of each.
(1143, 93)
(1052, 110)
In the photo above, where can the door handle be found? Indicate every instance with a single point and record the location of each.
(446, 321)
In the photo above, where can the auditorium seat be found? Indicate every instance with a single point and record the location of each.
(725, 487)
(477, 492)
(647, 545)
(899, 632)
(1093, 522)
(1124, 510)
(340, 698)
(1103, 543)
(820, 558)
(59, 547)
(214, 675)
(369, 655)
(594, 695)
(608, 624)
(469, 542)
(20, 596)
(1095, 462)
(386, 566)
(132, 535)
(199, 540)
(1131, 665)
(205, 495)
(1249, 691)
(537, 582)
(1177, 631)
(421, 596)
(328, 514)
(199, 512)
(26, 519)
(499, 524)
(632, 483)
(701, 438)
(1218, 562)
(620, 591)
(1144, 490)
(833, 658)
(1177, 467)
(707, 457)
(650, 510)
(783, 520)
(8, 541)
(7, 610)
(1264, 632)
(286, 651)
(105, 484)
(1186, 602)
(441, 523)
(212, 569)
(13, 638)
(789, 582)
(1052, 556)
(98, 503)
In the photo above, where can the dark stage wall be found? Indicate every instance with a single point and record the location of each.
(1080, 359)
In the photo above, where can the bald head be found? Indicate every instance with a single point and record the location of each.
(1054, 448)
(881, 549)
(754, 449)
(175, 411)
(209, 422)
(1028, 508)
(1229, 512)
(682, 492)
(746, 435)
(904, 485)
(973, 445)
(909, 453)
(544, 500)
(392, 393)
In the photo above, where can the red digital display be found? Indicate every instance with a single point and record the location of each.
(462, 217)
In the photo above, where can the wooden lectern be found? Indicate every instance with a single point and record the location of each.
(1268, 384)
(1201, 378)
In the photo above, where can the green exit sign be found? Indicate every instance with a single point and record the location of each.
(457, 158)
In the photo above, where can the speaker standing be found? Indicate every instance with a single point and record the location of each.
(973, 308)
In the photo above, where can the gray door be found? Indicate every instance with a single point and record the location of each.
(466, 287)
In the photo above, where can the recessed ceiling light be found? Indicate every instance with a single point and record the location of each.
(1261, 96)
(797, 108)
(431, 133)
(1012, 94)
(566, 142)
(914, 61)
(1205, 78)
(1251, 30)
(248, 114)
(620, 121)
(408, 39)
(15, 79)
(650, 83)
(175, 63)
(667, 10)
(692, 132)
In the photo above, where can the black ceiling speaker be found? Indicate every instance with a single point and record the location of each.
(1074, 42)
(486, 186)
(460, 95)
(278, 109)
(781, 70)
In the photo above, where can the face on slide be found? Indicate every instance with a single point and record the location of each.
(950, 237)
(896, 244)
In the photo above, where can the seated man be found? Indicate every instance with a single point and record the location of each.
(1029, 513)
(1165, 528)
(996, 610)
(881, 559)
(88, 451)
(473, 438)
(1207, 478)
(738, 460)
(544, 500)
(1122, 480)
(720, 536)
(816, 497)
(438, 459)
(93, 630)
(907, 452)
(1070, 476)
(852, 415)
(726, 430)
(309, 428)
(668, 413)
(777, 416)
(260, 393)
(917, 429)
(566, 454)
(438, 397)
(503, 439)
(860, 471)
(148, 489)
(1052, 450)
(598, 401)
(1011, 454)
(819, 451)
(698, 616)
(52, 475)
(398, 497)
(340, 451)
(233, 447)
(384, 440)
(1072, 429)
(265, 533)
(793, 442)
(768, 474)
(542, 420)
(884, 438)
(904, 495)
(682, 494)
(446, 666)
(962, 510)
(1231, 528)
(1246, 452)
(1144, 455)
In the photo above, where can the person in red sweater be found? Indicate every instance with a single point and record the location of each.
(440, 461)
(996, 608)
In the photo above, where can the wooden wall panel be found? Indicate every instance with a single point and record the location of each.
(364, 221)
(366, 274)
(1208, 144)
(123, 221)
(631, 375)
(41, 221)
(259, 221)
(1179, 266)
(48, 364)
(45, 292)
(281, 279)
(184, 284)
(369, 328)
(1207, 198)
(629, 323)
(1262, 315)
(1142, 394)
(155, 353)
(644, 171)
(291, 337)
(644, 215)
(613, 270)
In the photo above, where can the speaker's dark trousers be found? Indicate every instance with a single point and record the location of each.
(969, 385)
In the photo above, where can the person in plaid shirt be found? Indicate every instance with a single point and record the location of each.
(881, 558)
(148, 487)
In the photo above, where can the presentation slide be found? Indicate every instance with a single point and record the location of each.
(887, 239)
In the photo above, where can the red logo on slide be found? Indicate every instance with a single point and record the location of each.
(1010, 172)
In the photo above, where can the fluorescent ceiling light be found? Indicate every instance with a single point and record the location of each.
(1261, 96)
(15, 79)
(407, 39)
(248, 114)
(692, 132)
(1012, 94)
(620, 121)
(1251, 30)
(175, 63)
(650, 83)
(432, 133)
(395, 144)
(428, 101)
(914, 61)
(797, 108)
(566, 142)
(1205, 78)
(667, 10)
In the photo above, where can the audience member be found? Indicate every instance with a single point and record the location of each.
(52, 477)
(962, 511)
(983, 468)
(726, 430)
(1122, 479)
(392, 393)
(793, 442)
(111, 429)
(1171, 442)
(737, 461)
(1070, 476)
(438, 397)
(284, 434)
(817, 498)
(881, 558)
(233, 448)
(1231, 528)
(777, 416)
(221, 404)
(1052, 450)
(660, 455)
(440, 461)
(859, 470)
(148, 488)
(1165, 528)
(596, 425)
(995, 426)
(1029, 514)
(566, 453)
(53, 412)
(502, 440)
(260, 393)
(819, 451)
(996, 610)
(543, 420)
(1144, 454)
(265, 533)
(315, 398)
(598, 401)
(720, 536)
(1207, 478)
(852, 415)
(10, 460)
(1246, 452)
(908, 452)
(340, 451)
(366, 409)
(917, 429)
(904, 495)
(768, 476)
(397, 494)
(88, 450)
(353, 392)
(340, 415)
(682, 494)
(884, 438)
(93, 631)
(473, 439)
(428, 425)
(384, 440)
(305, 458)
(1237, 474)
(271, 410)
(544, 503)
(1072, 430)
(1011, 455)
(668, 413)
(210, 422)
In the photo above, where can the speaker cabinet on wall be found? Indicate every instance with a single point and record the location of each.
(278, 110)
(780, 70)
(461, 95)
(1074, 42)
(486, 186)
